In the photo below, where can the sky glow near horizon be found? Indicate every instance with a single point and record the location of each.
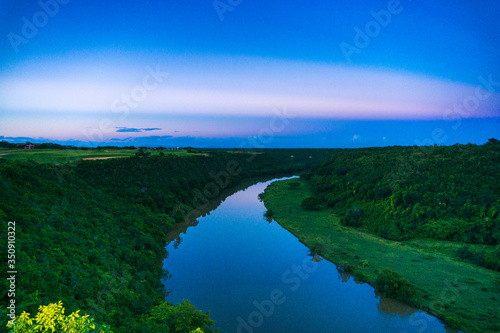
(87, 74)
(305, 90)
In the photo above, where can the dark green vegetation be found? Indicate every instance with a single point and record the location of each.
(401, 193)
(418, 223)
(92, 233)
(391, 284)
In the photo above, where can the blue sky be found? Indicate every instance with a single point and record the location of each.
(230, 72)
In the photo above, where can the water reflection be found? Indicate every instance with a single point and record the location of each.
(343, 275)
(393, 307)
(314, 256)
(180, 228)
(235, 260)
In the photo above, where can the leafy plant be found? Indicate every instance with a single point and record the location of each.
(391, 284)
(51, 318)
(310, 203)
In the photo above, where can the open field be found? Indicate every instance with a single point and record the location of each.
(464, 295)
(58, 156)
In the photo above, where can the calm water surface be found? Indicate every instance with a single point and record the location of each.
(254, 276)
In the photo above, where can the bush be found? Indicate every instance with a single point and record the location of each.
(492, 259)
(51, 318)
(310, 203)
(355, 212)
(391, 284)
(453, 322)
(383, 192)
(488, 259)
(179, 318)
(353, 217)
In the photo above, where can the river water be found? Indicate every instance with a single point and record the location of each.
(255, 276)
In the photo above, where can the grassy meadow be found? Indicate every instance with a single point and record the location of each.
(60, 156)
(461, 294)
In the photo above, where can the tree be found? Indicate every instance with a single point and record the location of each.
(141, 153)
(393, 284)
(353, 216)
(493, 141)
(51, 318)
(179, 318)
(5, 144)
(310, 203)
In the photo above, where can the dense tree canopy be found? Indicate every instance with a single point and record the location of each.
(92, 233)
(447, 193)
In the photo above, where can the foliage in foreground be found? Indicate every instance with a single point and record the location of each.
(51, 318)
(165, 318)
(92, 233)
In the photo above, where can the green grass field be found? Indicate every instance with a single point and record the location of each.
(59, 156)
(464, 295)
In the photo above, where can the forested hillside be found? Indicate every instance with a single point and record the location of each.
(92, 233)
(446, 193)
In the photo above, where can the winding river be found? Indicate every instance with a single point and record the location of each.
(254, 276)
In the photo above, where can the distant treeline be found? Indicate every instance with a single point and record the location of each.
(400, 193)
(50, 145)
(92, 233)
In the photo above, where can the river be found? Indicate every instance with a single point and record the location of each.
(254, 276)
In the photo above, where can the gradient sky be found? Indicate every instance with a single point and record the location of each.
(238, 73)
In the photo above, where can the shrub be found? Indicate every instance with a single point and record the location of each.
(383, 192)
(178, 318)
(452, 322)
(355, 212)
(488, 259)
(310, 203)
(391, 284)
(51, 318)
(492, 259)
(353, 217)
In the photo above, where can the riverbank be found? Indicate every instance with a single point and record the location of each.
(101, 226)
(463, 295)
